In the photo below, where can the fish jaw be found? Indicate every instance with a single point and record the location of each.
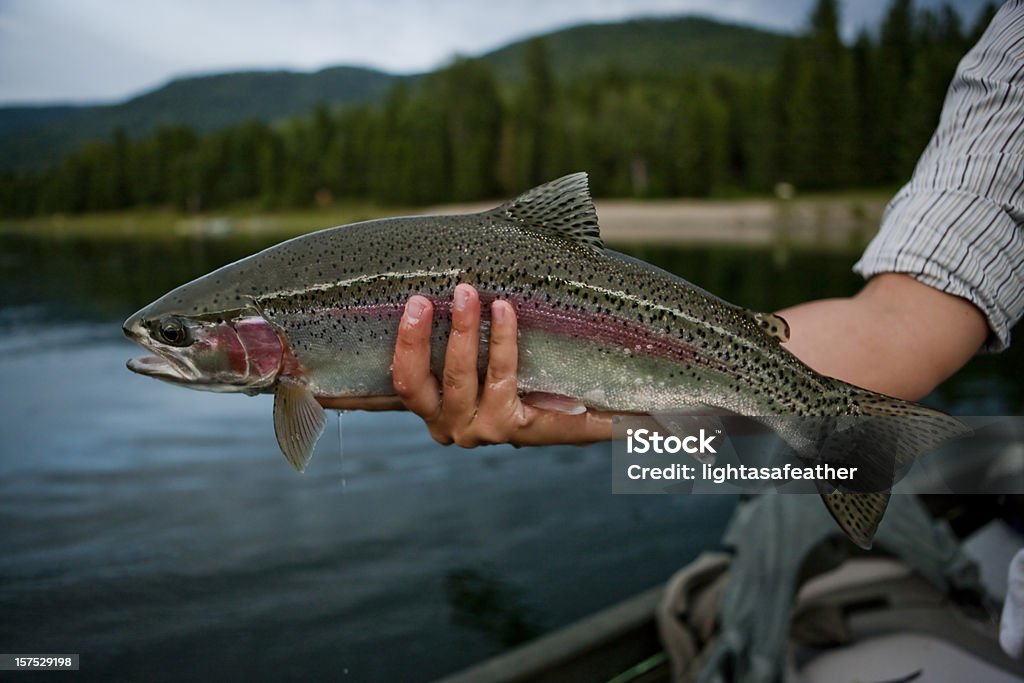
(158, 367)
(244, 355)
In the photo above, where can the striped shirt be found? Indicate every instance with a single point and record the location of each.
(958, 225)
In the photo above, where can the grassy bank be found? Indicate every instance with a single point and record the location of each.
(161, 223)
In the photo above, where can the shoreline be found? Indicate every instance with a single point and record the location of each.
(826, 221)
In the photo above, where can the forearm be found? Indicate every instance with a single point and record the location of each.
(897, 336)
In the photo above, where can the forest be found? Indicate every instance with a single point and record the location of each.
(827, 115)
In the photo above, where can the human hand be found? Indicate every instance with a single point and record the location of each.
(462, 410)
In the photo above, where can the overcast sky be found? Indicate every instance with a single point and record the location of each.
(102, 50)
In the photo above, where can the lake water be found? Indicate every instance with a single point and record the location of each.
(159, 532)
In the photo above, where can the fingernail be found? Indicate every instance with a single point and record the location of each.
(499, 311)
(414, 310)
(461, 298)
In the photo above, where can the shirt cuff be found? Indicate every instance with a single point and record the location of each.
(958, 243)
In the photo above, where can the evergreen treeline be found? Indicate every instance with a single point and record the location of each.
(830, 115)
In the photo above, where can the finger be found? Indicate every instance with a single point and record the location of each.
(543, 428)
(500, 390)
(413, 383)
(460, 384)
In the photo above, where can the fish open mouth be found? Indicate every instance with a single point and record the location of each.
(156, 366)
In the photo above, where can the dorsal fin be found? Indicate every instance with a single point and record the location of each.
(562, 208)
(775, 325)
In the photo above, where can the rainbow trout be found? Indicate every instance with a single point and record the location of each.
(317, 316)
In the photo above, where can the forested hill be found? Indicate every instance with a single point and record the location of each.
(37, 137)
(821, 114)
(652, 45)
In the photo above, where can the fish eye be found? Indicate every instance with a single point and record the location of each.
(172, 331)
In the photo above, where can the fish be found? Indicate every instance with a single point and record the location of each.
(317, 316)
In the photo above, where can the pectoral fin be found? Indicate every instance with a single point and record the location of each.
(298, 422)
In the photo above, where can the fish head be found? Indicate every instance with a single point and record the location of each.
(228, 352)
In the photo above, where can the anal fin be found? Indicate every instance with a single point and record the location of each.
(858, 514)
(298, 422)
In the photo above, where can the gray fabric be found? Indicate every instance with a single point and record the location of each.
(773, 535)
(688, 612)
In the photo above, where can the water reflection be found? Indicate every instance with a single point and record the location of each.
(486, 603)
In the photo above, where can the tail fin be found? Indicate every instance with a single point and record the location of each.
(883, 447)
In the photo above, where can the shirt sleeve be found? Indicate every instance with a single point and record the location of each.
(958, 225)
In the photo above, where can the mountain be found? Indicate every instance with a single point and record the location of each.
(35, 137)
(647, 45)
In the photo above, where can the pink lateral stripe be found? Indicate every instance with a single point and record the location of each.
(594, 328)
(609, 330)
